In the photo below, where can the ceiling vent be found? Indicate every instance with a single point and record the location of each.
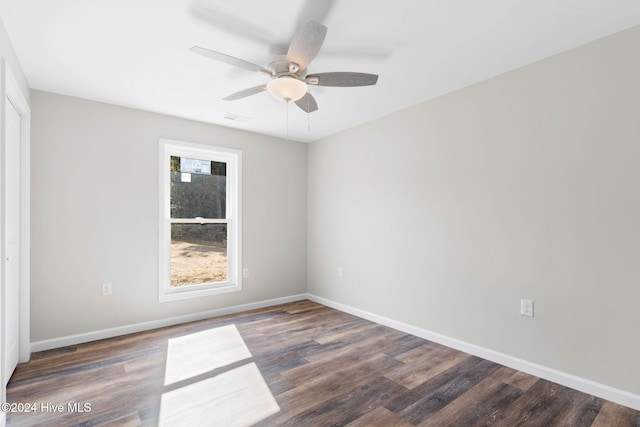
(237, 118)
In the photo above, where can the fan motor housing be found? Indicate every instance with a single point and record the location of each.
(281, 67)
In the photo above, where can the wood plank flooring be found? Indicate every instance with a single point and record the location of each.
(298, 364)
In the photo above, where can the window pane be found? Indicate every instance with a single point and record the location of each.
(198, 254)
(198, 188)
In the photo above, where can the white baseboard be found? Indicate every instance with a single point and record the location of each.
(154, 324)
(584, 385)
(606, 392)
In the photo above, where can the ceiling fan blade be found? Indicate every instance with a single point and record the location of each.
(342, 79)
(306, 43)
(231, 60)
(244, 93)
(307, 103)
(231, 23)
(315, 10)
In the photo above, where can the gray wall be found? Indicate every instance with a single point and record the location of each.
(95, 215)
(444, 215)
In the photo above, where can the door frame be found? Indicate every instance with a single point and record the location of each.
(9, 88)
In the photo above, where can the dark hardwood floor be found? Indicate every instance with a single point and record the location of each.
(298, 364)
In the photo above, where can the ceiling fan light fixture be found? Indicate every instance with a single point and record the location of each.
(287, 89)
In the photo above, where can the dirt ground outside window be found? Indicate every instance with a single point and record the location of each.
(194, 262)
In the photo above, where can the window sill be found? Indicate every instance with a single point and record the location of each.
(191, 292)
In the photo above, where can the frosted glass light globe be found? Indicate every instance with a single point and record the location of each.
(287, 89)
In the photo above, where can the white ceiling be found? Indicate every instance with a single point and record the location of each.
(135, 53)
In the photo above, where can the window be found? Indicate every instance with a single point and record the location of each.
(200, 220)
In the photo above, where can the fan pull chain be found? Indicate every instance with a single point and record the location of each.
(308, 112)
(287, 102)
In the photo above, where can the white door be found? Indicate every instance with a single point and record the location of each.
(12, 239)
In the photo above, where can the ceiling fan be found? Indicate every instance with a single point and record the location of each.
(288, 70)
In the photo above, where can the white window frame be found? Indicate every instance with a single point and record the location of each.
(233, 159)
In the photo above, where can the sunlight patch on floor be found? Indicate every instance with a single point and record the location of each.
(195, 354)
(212, 381)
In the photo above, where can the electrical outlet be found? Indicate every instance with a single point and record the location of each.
(107, 289)
(526, 307)
(340, 273)
(245, 273)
